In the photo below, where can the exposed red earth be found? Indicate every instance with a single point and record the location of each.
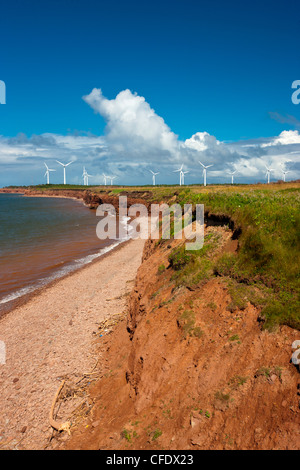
(223, 383)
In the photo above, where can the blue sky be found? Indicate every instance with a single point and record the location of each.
(224, 68)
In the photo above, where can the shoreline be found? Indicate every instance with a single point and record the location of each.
(9, 305)
(24, 194)
(51, 336)
(23, 299)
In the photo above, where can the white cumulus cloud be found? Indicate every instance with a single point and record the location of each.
(201, 141)
(132, 125)
(285, 138)
(136, 140)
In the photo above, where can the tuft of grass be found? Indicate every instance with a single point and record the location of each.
(152, 296)
(263, 372)
(269, 371)
(225, 264)
(186, 321)
(212, 306)
(223, 397)
(126, 434)
(234, 338)
(179, 258)
(193, 267)
(156, 434)
(197, 332)
(238, 381)
(161, 269)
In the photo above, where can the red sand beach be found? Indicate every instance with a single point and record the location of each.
(51, 337)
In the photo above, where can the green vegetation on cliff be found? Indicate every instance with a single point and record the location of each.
(268, 224)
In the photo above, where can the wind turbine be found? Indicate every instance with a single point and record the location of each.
(182, 176)
(204, 172)
(285, 172)
(65, 166)
(268, 173)
(153, 176)
(180, 173)
(84, 176)
(111, 179)
(48, 173)
(231, 174)
(105, 178)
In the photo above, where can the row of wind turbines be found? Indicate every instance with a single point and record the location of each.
(231, 173)
(182, 173)
(86, 176)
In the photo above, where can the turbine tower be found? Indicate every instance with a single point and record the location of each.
(285, 172)
(105, 178)
(204, 172)
(232, 173)
(268, 173)
(111, 179)
(153, 176)
(48, 173)
(180, 174)
(65, 166)
(86, 177)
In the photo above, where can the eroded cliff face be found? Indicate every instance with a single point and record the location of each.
(188, 370)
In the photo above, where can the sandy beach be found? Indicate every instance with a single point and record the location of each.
(52, 337)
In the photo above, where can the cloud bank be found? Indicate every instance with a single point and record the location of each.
(136, 140)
